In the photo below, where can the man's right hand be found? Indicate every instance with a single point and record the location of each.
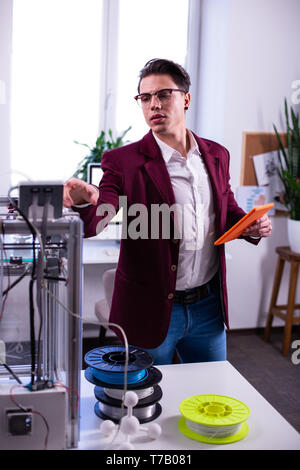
(78, 192)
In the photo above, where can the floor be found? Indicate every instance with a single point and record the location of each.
(275, 377)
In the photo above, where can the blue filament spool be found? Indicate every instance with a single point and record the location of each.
(119, 379)
(107, 364)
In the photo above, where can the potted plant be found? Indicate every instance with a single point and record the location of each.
(289, 173)
(103, 144)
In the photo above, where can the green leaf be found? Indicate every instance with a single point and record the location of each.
(289, 162)
(281, 147)
(79, 143)
(100, 140)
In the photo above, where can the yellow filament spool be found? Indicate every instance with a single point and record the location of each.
(214, 419)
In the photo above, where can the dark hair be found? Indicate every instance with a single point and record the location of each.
(166, 67)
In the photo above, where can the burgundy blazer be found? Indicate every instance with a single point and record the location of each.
(146, 272)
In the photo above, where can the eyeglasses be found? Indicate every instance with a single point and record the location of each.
(144, 99)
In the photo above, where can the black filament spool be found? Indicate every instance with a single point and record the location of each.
(112, 359)
(104, 416)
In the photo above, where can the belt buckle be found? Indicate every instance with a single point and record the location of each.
(194, 295)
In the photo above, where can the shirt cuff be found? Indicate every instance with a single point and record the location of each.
(81, 206)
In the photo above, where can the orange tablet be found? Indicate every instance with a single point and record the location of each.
(241, 225)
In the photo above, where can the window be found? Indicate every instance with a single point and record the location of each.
(55, 85)
(147, 29)
(68, 61)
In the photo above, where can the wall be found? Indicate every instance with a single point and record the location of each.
(249, 59)
(5, 87)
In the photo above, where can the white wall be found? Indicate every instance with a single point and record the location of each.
(5, 88)
(251, 47)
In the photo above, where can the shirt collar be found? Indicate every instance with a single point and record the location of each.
(168, 152)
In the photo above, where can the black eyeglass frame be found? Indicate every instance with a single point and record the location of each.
(138, 97)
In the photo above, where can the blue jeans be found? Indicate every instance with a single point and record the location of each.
(196, 332)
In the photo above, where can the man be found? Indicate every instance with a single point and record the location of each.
(169, 293)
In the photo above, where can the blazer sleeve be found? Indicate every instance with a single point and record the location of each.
(96, 218)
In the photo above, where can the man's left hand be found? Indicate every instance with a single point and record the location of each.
(260, 228)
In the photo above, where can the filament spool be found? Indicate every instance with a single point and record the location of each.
(117, 393)
(107, 372)
(147, 409)
(153, 377)
(214, 419)
(102, 396)
(107, 364)
(113, 413)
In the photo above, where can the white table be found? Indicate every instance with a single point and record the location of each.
(268, 430)
(100, 253)
(97, 251)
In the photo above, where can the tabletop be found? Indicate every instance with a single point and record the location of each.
(268, 430)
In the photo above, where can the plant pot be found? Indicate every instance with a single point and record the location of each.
(294, 235)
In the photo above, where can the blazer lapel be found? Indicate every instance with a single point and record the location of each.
(211, 161)
(156, 168)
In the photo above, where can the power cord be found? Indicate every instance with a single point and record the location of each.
(35, 235)
(106, 324)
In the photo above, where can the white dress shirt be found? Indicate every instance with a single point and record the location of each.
(198, 260)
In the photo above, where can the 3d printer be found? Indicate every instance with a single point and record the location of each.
(41, 253)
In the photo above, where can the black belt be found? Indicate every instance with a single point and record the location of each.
(191, 296)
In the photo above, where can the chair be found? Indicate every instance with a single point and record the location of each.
(284, 255)
(102, 307)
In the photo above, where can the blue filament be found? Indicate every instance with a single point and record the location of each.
(117, 378)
